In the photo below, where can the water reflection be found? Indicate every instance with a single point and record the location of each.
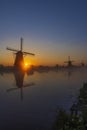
(37, 111)
(19, 79)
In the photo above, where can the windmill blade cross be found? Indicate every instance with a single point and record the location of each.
(8, 48)
(28, 85)
(69, 61)
(21, 47)
(66, 62)
(27, 53)
(11, 89)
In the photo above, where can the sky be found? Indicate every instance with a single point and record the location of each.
(51, 29)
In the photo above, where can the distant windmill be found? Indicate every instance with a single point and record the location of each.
(19, 60)
(69, 62)
(82, 64)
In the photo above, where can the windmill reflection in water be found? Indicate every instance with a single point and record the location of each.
(19, 79)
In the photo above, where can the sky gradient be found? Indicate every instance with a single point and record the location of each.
(52, 29)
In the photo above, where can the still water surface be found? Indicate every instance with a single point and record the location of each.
(30, 101)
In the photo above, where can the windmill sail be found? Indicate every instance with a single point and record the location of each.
(21, 44)
(27, 53)
(11, 49)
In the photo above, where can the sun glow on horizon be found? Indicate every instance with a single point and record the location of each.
(27, 64)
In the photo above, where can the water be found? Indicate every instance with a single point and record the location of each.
(30, 101)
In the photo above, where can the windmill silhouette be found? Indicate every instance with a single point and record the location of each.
(19, 60)
(69, 62)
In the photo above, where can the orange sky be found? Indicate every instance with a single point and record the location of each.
(45, 53)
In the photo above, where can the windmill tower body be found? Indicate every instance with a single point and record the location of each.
(19, 60)
(70, 63)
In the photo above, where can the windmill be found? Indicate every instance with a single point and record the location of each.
(19, 60)
(69, 62)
